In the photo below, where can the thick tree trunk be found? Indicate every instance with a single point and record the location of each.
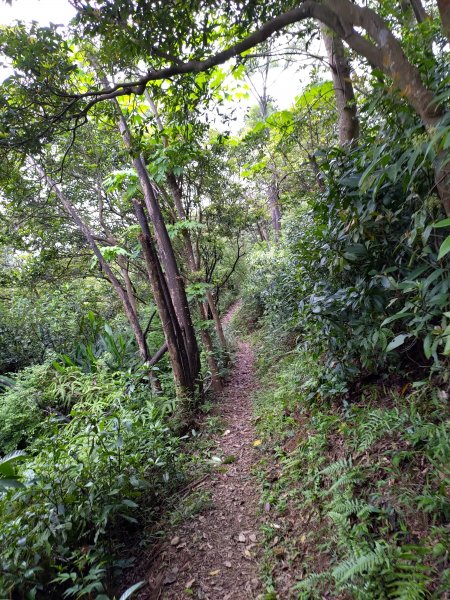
(444, 12)
(348, 122)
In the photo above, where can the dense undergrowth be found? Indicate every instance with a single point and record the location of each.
(357, 487)
(100, 457)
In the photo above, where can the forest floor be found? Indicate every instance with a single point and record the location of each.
(213, 556)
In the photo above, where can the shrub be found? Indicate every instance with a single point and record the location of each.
(85, 480)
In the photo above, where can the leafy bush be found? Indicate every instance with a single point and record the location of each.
(32, 327)
(42, 391)
(87, 478)
(357, 275)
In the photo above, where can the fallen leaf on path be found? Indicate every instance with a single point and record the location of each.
(189, 584)
(257, 443)
(215, 572)
(170, 578)
(175, 541)
(275, 541)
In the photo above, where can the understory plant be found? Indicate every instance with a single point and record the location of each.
(363, 484)
(95, 473)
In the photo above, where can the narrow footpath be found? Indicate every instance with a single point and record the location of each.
(213, 555)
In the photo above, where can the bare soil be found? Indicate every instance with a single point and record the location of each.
(213, 556)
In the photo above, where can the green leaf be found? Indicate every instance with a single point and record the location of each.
(397, 341)
(445, 248)
(399, 315)
(427, 346)
(128, 593)
(444, 223)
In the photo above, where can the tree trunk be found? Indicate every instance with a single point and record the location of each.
(444, 12)
(128, 285)
(348, 122)
(216, 380)
(419, 11)
(174, 279)
(217, 320)
(192, 260)
(387, 55)
(189, 248)
(73, 213)
(172, 332)
(275, 212)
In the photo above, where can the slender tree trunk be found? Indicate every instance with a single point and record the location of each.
(419, 11)
(274, 205)
(128, 285)
(172, 332)
(216, 380)
(73, 213)
(262, 232)
(189, 248)
(193, 262)
(217, 321)
(174, 279)
(348, 122)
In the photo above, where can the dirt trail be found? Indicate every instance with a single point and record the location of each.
(213, 555)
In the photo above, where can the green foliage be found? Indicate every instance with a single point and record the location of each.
(366, 479)
(359, 274)
(22, 407)
(34, 326)
(89, 477)
(101, 347)
(8, 472)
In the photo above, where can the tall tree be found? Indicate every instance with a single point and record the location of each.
(348, 122)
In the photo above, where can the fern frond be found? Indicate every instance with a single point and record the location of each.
(361, 564)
